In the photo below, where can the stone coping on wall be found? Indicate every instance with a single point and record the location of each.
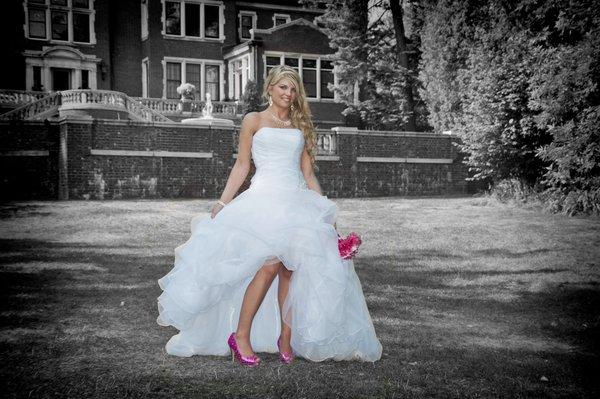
(339, 130)
(25, 153)
(404, 160)
(132, 153)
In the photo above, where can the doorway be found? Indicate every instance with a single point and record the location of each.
(61, 79)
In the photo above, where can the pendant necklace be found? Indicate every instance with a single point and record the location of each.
(279, 121)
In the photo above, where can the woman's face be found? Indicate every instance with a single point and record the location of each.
(283, 93)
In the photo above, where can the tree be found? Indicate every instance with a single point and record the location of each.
(251, 99)
(373, 67)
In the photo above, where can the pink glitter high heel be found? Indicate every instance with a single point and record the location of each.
(250, 361)
(285, 357)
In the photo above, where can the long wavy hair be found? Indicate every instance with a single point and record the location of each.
(301, 116)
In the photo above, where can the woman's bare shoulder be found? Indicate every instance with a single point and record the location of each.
(252, 121)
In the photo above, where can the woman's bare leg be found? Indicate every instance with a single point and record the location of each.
(255, 293)
(282, 291)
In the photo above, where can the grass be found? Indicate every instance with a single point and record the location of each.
(470, 298)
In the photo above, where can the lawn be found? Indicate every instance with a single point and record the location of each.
(470, 298)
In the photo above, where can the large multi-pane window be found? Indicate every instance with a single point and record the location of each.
(193, 19)
(60, 20)
(190, 71)
(316, 72)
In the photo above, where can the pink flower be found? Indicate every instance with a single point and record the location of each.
(349, 246)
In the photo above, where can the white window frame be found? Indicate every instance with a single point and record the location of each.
(201, 38)
(202, 62)
(245, 72)
(144, 18)
(300, 57)
(91, 11)
(287, 18)
(254, 18)
(145, 76)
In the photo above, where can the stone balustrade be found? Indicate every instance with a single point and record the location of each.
(168, 106)
(20, 97)
(35, 110)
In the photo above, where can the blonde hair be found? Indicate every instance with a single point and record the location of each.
(301, 116)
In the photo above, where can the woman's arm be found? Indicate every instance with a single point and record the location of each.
(240, 169)
(308, 172)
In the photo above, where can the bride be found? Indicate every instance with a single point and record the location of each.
(220, 293)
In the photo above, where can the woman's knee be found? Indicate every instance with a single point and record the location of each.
(284, 272)
(269, 271)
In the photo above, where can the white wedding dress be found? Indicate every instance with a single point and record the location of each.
(276, 219)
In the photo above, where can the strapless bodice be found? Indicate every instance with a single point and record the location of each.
(276, 153)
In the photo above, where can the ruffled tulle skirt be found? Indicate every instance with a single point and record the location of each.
(325, 306)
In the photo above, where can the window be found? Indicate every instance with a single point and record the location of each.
(60, 25)
(271, 62)
(192, 19)
(173, 79)
(172, 18)
(37, 23)
(81, 27)
(211, 21)
(144, 18)
(205, 75)
(247, 22)
(192, 75)
(309, 77)
(291, 62)
(199, 19)
(326, 77)
(37, 79)
(315, 71)
(60, 20)
(85, 79)
(212, 81)
(280, 19)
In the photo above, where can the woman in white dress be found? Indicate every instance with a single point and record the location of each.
(220, 292)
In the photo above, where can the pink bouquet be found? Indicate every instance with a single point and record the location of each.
(349, 246)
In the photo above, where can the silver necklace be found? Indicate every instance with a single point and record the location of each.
(279, 121)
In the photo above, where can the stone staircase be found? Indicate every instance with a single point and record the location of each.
(37, 107)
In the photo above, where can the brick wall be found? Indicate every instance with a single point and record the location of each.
(29, 160)
(108, 159)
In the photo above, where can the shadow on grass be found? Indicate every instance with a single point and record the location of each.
(65, 334)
